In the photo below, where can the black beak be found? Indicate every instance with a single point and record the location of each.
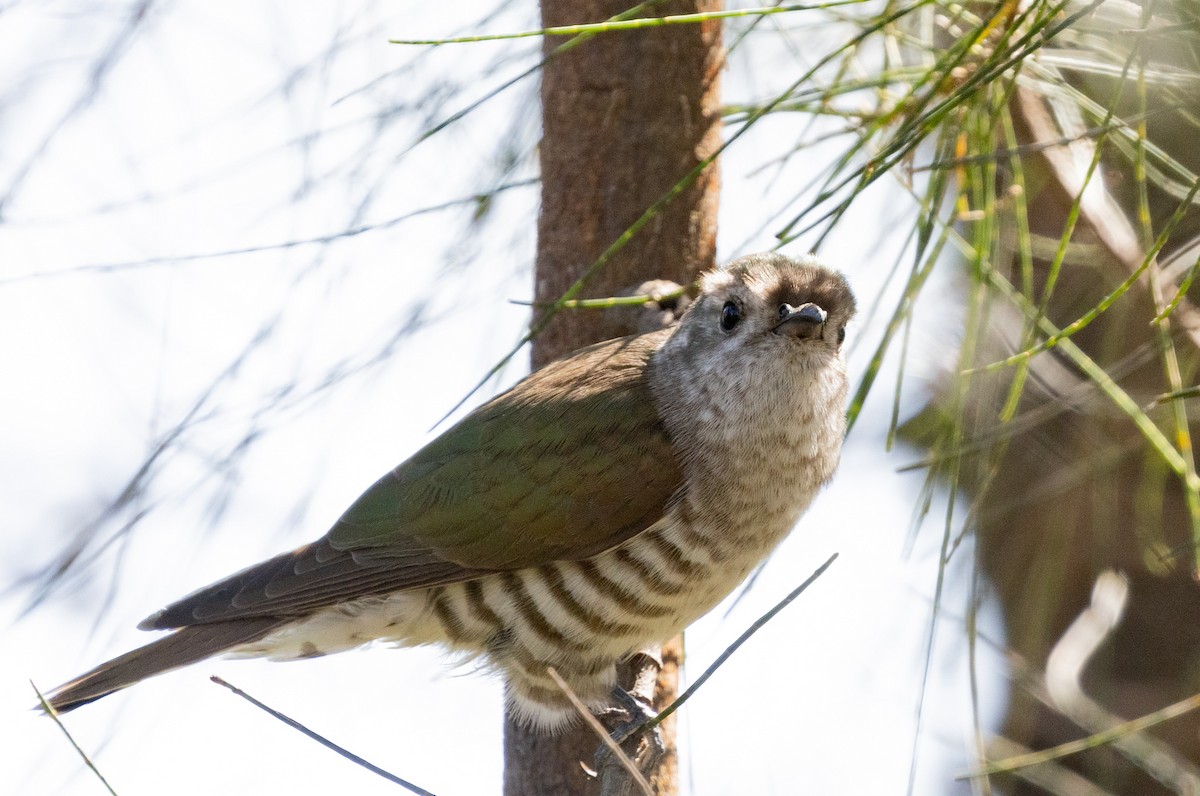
(806, 318)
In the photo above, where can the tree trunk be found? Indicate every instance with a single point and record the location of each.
(626, 116)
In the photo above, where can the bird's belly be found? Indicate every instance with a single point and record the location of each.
(579, 617)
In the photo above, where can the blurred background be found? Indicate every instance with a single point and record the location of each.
(251, 255)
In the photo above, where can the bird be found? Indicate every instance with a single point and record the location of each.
(602, 504)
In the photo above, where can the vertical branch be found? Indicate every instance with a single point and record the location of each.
(625, 116)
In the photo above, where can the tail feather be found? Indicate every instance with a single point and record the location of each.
(184, 646)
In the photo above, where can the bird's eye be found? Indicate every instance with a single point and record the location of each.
(841, 334)
(730, 315)
(784, 309)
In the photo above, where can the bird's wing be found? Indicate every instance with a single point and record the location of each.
(570, 462)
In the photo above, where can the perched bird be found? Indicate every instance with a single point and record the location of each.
(603, 503)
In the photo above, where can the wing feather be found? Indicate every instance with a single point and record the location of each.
(571, 461)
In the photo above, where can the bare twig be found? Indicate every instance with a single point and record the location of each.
(53, 714)
(328, 744)
(732, 648)
(601, 733)
(1051, 777)
(1064, 670)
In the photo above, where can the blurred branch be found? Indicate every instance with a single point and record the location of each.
(351, 232)
(1063, 672)
(100, 69)
(594, 724)
(1107, 220)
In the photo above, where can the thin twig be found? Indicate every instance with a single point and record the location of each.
(608, 302)
(53, 714)
(601, 733)
(328, 744)
(732, 648)
(350, 232)
(628, 24)
(1111, 735)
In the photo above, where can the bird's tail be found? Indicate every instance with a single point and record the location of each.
(184, 646)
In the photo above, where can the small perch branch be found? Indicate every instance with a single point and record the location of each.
(732, 648)
(52, 713)
(601, 733)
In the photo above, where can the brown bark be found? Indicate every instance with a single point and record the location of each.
(626, 116)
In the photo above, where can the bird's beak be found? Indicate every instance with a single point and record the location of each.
(803, 321)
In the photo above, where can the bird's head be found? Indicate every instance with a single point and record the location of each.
(763, 311)
(754, 375)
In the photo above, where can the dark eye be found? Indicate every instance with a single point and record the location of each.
(730, 315)
(784, 309)
(841, 335)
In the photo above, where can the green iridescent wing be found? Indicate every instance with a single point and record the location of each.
(570, 462)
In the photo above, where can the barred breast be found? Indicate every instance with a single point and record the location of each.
(747, 483)
(581, 617)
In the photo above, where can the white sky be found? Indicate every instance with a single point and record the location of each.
(196, 142)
